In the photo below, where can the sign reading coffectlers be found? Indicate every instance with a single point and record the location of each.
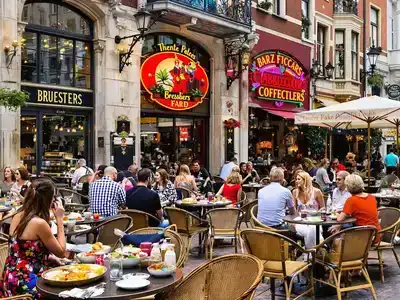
(277, 76)
(58, 97)
(173, 78)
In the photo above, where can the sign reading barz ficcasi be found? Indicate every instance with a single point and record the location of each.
(277, 76)
(173, 78)
(58, 97)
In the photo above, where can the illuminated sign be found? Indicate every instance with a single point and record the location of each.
(173, 78)
(58, 97)
(277, 76)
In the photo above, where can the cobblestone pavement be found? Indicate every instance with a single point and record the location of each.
(388, 290)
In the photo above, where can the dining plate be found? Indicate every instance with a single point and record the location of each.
(132, 283)
(136, 275)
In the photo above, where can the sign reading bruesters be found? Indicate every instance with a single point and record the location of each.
(58, 97)
(277, 76)
(173, 78)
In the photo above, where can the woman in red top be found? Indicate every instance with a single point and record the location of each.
(232, 187)
(360, 205)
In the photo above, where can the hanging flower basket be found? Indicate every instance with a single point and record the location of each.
(231, 123)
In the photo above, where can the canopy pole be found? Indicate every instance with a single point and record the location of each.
(397, 134)
(369, 151)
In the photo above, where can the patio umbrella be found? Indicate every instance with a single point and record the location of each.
(368, 112)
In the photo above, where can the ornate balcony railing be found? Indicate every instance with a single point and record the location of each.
(235, 10)
(346, 7)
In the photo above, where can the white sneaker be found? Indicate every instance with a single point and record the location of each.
(397, 240)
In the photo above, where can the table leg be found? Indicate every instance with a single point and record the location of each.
(318, 234)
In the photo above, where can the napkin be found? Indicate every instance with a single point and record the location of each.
(82, 293)
(297, 219)
(79, 248)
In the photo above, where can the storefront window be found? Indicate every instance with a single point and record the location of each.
(63, 40)
(28, 142)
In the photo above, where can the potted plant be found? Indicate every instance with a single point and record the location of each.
(196, 94)
(375, 80)
(13, 99)
(305, 23)
(265, 5)
(231, 123)
(157, 90)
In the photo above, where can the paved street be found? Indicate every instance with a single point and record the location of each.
(388, 291)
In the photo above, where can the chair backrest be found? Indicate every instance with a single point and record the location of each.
(3, 255)
(265, 180)
(84, 178)
(181, 218)
(389, 218)
(355, 243)
(218, 179)
(316, 185)
(246, 210)
(173, 236)
(257, 224)
(106, 230)
(185, 192)
(76, 197)
(140, 219)
(229, 277)
(243, 199)
(224, 218)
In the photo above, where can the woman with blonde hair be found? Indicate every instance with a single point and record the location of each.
(232, 187)
(305, 196)
(185, 179)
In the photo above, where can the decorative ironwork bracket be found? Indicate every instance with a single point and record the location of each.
(233, 59)
(124, 57)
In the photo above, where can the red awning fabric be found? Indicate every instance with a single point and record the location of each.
(281, 113)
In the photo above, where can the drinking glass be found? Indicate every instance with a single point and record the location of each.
(116, 270)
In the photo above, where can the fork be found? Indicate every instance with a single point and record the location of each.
(90, 291)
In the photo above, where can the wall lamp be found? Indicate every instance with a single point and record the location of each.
(11, 52)
(372, 54)
(237, 58)
(144, 21)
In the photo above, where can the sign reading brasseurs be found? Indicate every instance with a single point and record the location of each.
(58, 97)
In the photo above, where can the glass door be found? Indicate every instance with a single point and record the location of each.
(28, 154)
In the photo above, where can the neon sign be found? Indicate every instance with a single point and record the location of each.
(277, 76)
(173, 79)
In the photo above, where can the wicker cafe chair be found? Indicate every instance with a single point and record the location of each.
(3, 255)
(390, 224)
(3, 238)
(21, 297)
(188, 225)
(243, 200)
(270, 248)
(185, 193)
(350, 252)
(257, 224)
(224, 224)
(229, 277)
(140, 219)
(77, 200)
(246, 212)
(104, 232)
(176, 239)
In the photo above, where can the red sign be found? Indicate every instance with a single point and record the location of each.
(277, 76)
(173, 79)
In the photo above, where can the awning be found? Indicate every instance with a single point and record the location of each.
(281, 113)
(327, 102)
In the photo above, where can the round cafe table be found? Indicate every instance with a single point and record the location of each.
(202, 206)
(5, 209)
(253, 187)
(329, 222)
(157, 285)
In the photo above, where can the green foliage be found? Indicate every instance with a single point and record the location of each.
(157, 89)
(163, 77)
(196, 93)
(315, 139)
(13, 99)
(265, 5)
(305, 23)
(376, 137)
(376, 80)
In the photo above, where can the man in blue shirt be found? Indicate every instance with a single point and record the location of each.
(273, 201)
(391, 162)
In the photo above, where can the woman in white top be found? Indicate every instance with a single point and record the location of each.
(20, 186)
(306, 196)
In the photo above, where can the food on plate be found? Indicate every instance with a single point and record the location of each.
(160, 266)
(161, 269)
(75, 272)
(189, 201)
(65, 218)
(98, 246)
(129, 249)
(129, 255)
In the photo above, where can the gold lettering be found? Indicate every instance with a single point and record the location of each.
(45, 96)
(39, 96)
(70, 98)
(80, 99)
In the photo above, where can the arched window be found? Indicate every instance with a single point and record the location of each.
(56, 47)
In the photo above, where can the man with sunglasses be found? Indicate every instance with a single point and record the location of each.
(340, 193)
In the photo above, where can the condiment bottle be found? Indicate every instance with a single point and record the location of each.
(155, 252)
(170, 256)
(164, 247)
